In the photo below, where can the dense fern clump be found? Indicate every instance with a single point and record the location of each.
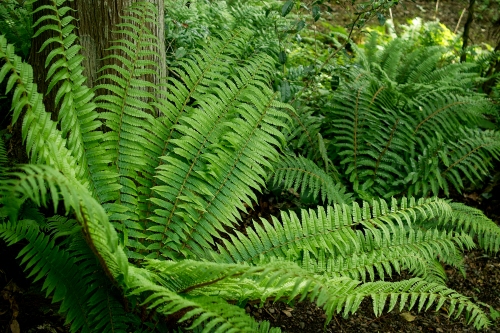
(156, 199)
(405, 124)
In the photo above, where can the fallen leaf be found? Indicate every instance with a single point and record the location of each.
(14, 327)
(473, 196)
(407, 316)
(292, 191)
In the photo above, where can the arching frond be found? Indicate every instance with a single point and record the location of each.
(475, 223)
(69, 277)
(295, 172)
(329, 230)
(44, 142)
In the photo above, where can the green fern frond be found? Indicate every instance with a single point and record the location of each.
(61, 226)
(305, 127)
(412, 291)
(329, 229)
(204, 308)
(44, 141)
(449, 160)
(69, 279)
(331, 294)
(444, 113)
(77, 114)
(3, 158)
(129, 113)
(472, 155)
(300, 172)
(413, 250)
(40, 183)
(475, 223)
(264, 327)
(416, 131)
(234, 166)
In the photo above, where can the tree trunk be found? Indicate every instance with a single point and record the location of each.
(37, 59)
(468, 23)
(97, 19)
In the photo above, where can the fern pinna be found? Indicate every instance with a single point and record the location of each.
(155, 177)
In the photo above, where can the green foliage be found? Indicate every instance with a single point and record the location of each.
(16, 24)
(405, 124)
(294, 172)
(156, 178)
(190, 24)
(3, 158)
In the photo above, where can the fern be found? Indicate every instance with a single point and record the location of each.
(295, 172)
(70, 278)
(154, 176)
(77, 114)
(407, 125)
(3, 158)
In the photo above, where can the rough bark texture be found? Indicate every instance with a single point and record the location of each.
(37, 59)
(97, 19)
(468, 23)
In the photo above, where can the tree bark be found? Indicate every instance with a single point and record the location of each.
(468, 23)
(495, 63)
(97, 19)
(37, 59)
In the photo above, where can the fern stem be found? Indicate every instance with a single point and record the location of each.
(375, 96)
(464, 157)
(436, 112)
(357, 77)
(385, 149)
